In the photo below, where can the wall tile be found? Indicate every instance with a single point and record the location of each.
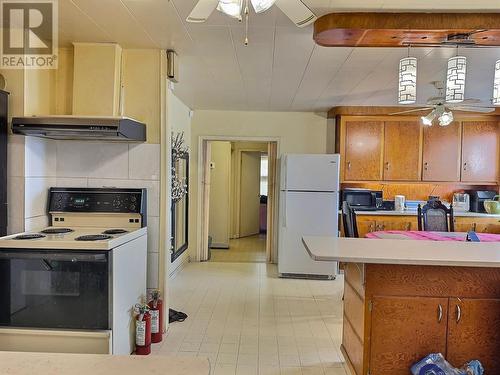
(152, 186)
(71, 182)
(153, 234)
(15, 159)
(35, 195)
(36, 223)
(153, 259)
(144, 161)
(40, 157)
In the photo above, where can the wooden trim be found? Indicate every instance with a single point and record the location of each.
(366, 29)
(387, 110)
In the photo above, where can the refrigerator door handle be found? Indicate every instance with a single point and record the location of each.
(285, 213)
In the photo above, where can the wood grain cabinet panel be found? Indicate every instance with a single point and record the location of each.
(402, 151)
(441, 160)
(366, 224)
(480, 147)
(474, 332)
(363, 150)
(404, 330)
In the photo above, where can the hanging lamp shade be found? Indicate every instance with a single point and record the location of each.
(455, 79)
(496, 84)
(262, 5)
(232, 8)
(407, 91)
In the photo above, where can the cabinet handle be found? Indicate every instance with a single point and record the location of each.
(387, 165)
(440, 313)
(408, 226)
(459, 313)
(348, 165)
(371, 227)
(426, 166)
(465, 166)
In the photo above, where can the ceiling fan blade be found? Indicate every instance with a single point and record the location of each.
(411, 111)
(297, 11)
(202, 10)
(473, 109)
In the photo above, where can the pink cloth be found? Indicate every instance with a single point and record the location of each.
(433, 236)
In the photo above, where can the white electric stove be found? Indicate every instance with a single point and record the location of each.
(72, 287)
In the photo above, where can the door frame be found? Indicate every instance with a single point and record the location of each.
(204, 188)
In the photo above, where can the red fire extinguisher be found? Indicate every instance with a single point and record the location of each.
(143, 330)
(156, 311)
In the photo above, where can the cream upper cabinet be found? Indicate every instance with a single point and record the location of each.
(97, 79)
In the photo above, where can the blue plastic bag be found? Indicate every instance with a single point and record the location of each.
(435, 364)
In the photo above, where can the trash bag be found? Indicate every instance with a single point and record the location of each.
(435, 364)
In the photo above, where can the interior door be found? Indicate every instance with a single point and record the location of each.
(402, 151)
(474, 332)
(250, 193)
(404, 330)
(480, 147)
(442, 153)
(363, 152)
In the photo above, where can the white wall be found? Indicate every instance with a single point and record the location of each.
(220, 194)
(298, 132)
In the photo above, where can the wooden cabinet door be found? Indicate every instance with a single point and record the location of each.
(480, 151)
(474, 333)
(363, 150)
(464, 224)
(402, 150)
(365, 225)
(404, 330)
(441, 161)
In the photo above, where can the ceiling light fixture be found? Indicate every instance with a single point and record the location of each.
(446, 118)
(496, 85)
(407, 91)
(262, 5)
(427, 120)
(455, 79)
(230, 7)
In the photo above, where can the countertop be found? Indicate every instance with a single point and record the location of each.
(414, 213)
(412, 252)
(96, 364)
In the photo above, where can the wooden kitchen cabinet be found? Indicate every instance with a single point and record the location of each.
(363, 150)
(480, 150)
(441, 157)
(402, 147)
(477, 224)
(404, 330)
(474, 332)
(374, 223)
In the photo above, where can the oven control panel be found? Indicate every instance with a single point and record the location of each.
(97, 200)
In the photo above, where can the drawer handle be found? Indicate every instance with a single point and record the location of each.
(426, 166)
(459, 313)
(440, 313)
(387, 165)
(348, 165)
(465, 166)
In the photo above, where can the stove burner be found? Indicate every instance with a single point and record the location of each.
(29, 236)
(115, 231)
(57, 230)
(93, 237)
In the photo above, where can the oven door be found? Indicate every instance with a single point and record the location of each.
(54, 289)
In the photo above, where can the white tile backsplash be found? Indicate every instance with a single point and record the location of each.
(144, 162)
(40, 157)
(36, 193)
(36, 223)
(71, 182)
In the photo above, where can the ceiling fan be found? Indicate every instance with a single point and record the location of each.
(296, 10)
(443, 111)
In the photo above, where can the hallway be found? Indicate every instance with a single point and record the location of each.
(247, 250)
(246, 320)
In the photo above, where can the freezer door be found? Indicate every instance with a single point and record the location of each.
(311, 172)
(305, 213)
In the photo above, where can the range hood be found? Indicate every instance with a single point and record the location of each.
(121, 129)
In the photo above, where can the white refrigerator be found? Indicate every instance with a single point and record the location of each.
(309, 205)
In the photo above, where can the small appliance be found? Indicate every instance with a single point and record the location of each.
(477, 198)
(461, 202)
(363, 199)
(399, 203)
(309, 201)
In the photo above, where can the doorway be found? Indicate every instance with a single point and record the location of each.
(238, 200)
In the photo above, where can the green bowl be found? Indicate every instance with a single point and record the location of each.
(493, 206)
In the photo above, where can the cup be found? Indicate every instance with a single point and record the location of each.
(399, 202)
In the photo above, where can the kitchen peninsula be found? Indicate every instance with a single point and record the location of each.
(404, 299)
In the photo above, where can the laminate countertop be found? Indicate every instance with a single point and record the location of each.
(96, 364)
(414, 213)
(411, 252)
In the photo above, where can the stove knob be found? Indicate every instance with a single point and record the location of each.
(132, 207)
(116, 203)
(133, 199)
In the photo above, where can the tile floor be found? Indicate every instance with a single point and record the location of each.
(247, 249)
(246, 320)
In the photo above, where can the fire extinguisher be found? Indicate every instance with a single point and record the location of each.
(156, 311)
(143, 330)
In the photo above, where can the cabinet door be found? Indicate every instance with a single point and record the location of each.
(363, 154)
(365, 225)
(480, 156)
(404, 330)
(474, 332)
(402, 151)
(464, 224)
(441, 161)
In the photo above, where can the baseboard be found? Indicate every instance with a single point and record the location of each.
(219, 246)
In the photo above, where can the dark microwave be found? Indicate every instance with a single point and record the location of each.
(362, 199)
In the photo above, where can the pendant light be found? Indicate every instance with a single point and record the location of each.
(496, 85)
(455, 79)
(262, 5)
(232, 8)
(407, 90)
